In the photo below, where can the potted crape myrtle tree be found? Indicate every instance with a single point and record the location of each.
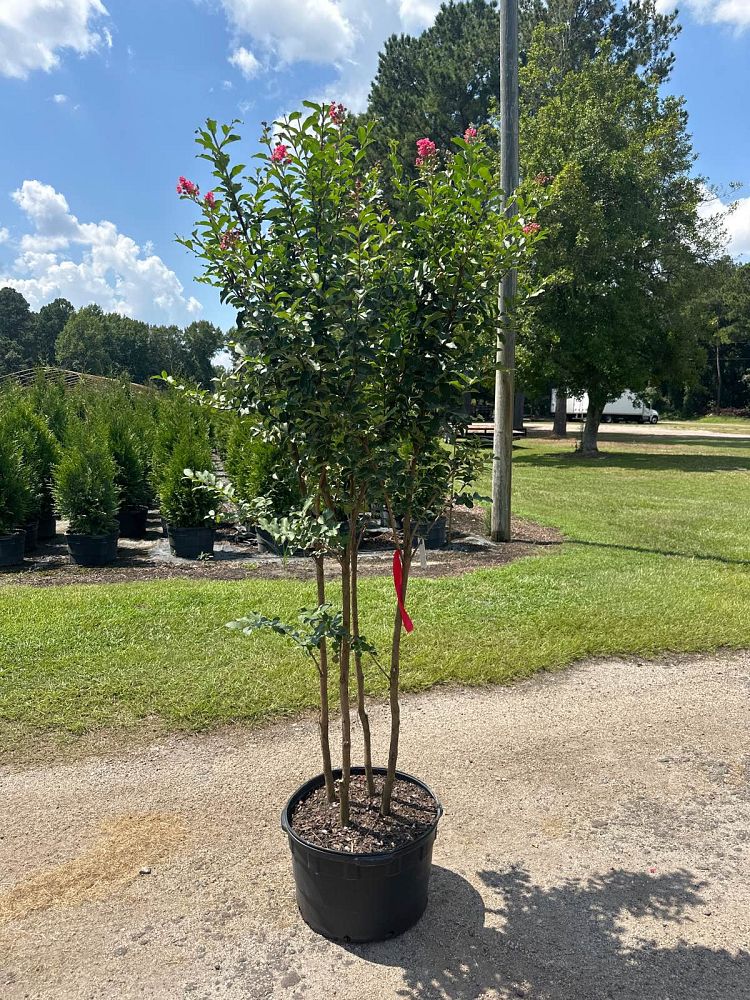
(86, 495)
(368, 322)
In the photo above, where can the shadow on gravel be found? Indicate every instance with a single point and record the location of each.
(561, 943)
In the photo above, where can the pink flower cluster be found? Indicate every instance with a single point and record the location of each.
(229, 238)
(337, 113)
(470, 134)
(210, 199)
(532, 228)
(184, 186)
(281, 154)
(426, 149)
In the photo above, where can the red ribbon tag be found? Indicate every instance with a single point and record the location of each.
(398, 582)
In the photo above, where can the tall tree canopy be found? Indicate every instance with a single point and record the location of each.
(440, 82)
(625, 240)
(16, 331)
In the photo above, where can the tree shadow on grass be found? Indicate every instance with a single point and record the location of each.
(564, 942)
(638, 461)
(672, 553)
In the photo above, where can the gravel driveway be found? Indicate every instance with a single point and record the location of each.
(596, 844)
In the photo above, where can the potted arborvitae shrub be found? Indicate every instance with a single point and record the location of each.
(40, 451)
(132, 481)
(190, 513)
(368, 322)
(15, 500)
(86, 495)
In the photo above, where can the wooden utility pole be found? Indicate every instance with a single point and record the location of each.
(502, 451)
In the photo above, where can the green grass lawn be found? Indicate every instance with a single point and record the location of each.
(719, 424)
(657, 558)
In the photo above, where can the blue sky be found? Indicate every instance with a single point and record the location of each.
(99, 102)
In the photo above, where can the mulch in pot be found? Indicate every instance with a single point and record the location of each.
(413, 812)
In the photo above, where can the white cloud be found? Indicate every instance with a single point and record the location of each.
(4, 234)
(417, 14)
(345, 34)
(245, 62)
(111, 269)
(317, 30)
(32, 33)
(60, 98)
(738, 227)
(730, 12)
(735, 220)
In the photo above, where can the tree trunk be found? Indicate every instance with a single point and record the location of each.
(323, 721)
(590, 436)
(361, 710)
(344, 658)
(385, 805)
(718, 378)
(560, 422)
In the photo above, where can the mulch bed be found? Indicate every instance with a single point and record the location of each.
(239, 559)
(413, 811)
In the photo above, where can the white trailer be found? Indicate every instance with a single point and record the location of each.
(628, 407)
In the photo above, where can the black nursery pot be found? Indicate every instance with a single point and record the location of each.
(360, 897)
(190, 543)
(132, 521)
(32, 536)
(47, 527)
(435, 535)
(93, 550)
(12, 548)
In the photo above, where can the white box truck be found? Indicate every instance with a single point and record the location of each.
(627, 407)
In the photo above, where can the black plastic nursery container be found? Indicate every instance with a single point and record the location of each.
(47, 527)
(435, 535)
(360, 897)
(12, 548)
(190, 543)
(32, 536)
(132, 521)
(93, 550)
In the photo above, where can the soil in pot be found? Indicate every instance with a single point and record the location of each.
(93, 550)
(32, 535)
(12, 548)
(191, 543)
(132, 521)
(369, 881)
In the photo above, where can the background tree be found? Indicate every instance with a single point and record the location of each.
(624, 236)
(438, 83)
(727, 304)
(49, 324)
(16, 331)
(85, 343)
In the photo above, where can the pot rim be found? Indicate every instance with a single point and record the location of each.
(198, 527)
(318, 781)
(93, 538)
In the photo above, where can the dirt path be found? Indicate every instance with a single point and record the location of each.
(596, 844)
